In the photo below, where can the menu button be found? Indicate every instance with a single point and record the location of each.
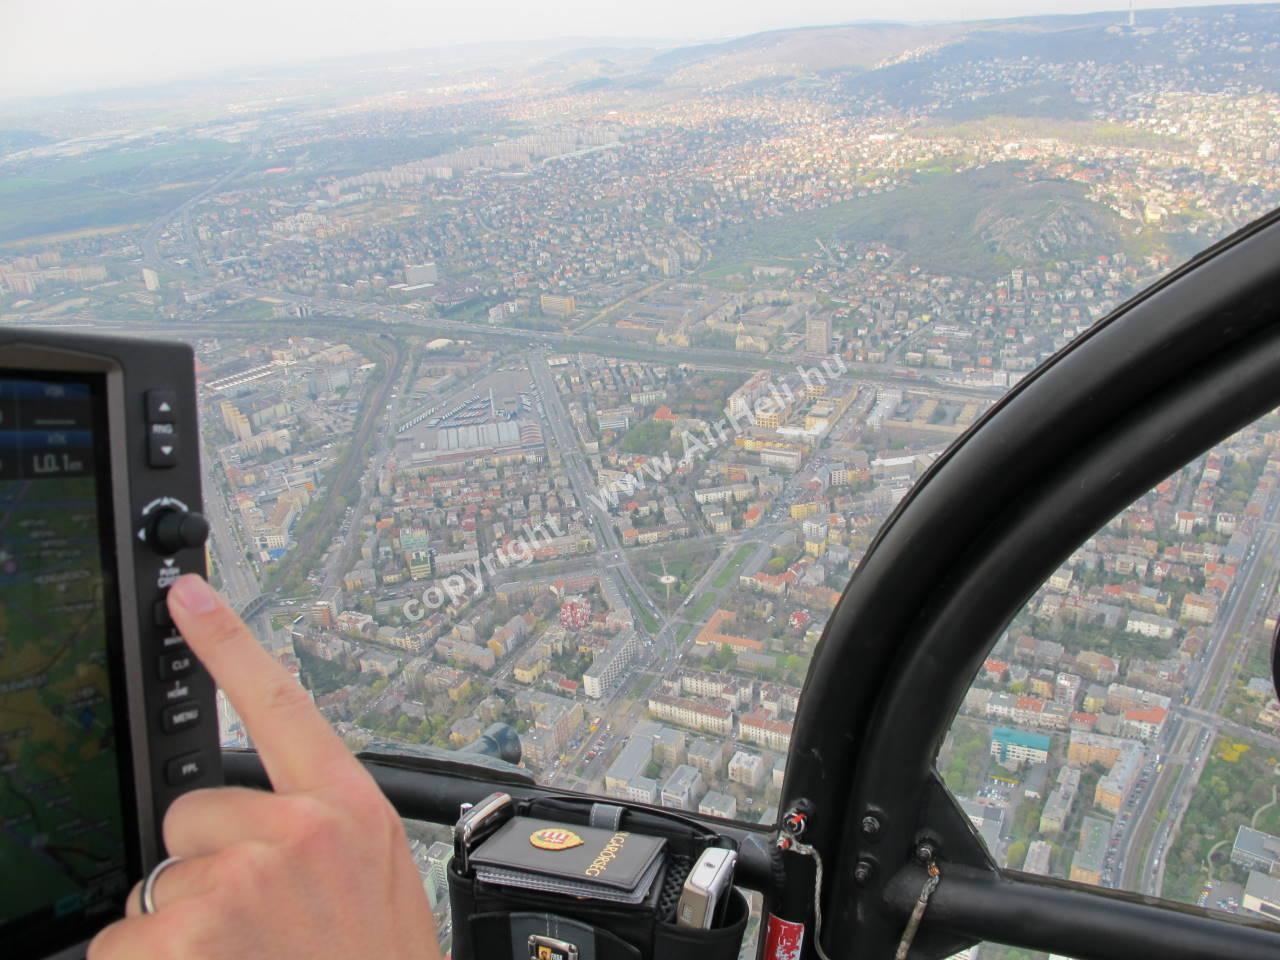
(180, 716)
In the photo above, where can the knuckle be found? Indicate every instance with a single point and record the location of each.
(313, 823)
(100, 946)
(181, 932)
(225, 870)
(371, 809)
(257, 860)
(236, 881)
(133, 902)
(125, 942)
(180, 814)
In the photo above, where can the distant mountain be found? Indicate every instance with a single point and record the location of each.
(1244, 34)
(813, 49)
(897, 61)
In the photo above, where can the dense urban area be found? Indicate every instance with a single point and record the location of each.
(566, 391)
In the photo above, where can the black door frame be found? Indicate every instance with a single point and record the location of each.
(1167, 375)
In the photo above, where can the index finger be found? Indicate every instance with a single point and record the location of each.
(298, 747)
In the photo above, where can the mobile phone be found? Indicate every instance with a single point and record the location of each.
(478, 822)
(706, 889)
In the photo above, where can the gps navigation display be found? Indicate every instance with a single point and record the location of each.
(64, 851)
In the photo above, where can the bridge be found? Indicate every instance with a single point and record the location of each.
(251, 608)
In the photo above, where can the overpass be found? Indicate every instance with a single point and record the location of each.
(251, 608)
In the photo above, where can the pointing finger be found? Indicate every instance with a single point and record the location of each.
(298, 747)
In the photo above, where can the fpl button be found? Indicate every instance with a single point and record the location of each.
(184, 769)
(162, 406)
(180, 716)
(162, 450)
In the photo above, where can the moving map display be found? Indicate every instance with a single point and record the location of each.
(63, 851)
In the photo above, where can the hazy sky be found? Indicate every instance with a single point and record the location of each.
(50, 46)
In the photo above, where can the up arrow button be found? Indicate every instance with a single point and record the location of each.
(162, 406)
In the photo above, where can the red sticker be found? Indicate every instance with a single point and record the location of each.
(784, 939)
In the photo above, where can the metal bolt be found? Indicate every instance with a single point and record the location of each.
(870, 826)
(794, 822)
(924, 853)
(863, 871)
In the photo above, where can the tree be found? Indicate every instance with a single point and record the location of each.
(1016, 854)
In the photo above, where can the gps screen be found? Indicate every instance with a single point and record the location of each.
(64, 850)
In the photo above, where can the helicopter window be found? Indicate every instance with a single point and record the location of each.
(1123, 731)
(552, 399)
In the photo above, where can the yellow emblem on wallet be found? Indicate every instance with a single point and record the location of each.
(553, 839)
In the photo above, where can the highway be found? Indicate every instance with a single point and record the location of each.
(151, 239)
(348, 472)
(328, 311)
(1189, 732)
(583, 481)
(239, 584)
(340, 557)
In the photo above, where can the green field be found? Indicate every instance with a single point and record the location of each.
(1235, 785)
(701, 607)
(648, 619)
(1084, 132)
(685, 564)
(730, 572)
(107, 188)
(979, 223)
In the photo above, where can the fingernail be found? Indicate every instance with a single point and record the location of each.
(193, 594)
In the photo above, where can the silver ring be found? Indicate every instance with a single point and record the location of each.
(149, 885)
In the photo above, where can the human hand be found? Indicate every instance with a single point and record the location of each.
(319, 870)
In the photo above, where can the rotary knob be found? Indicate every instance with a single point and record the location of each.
(174, 530)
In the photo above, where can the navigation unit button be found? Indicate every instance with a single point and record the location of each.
(180, 716)
(176, 664)
(184, 769)
(162, 406)
(162, 451)
(161, 616)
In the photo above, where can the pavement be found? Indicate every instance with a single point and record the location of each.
(1192, 726)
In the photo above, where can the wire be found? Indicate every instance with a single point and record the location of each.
(808, 851)
(932, 878)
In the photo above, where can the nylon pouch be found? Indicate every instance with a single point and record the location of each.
(495, 922)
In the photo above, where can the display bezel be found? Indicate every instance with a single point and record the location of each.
(65, 937)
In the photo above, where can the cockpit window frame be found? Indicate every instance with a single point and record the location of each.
(1158, 381)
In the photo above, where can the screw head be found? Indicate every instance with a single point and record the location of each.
(863, 871)
(870, 826)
